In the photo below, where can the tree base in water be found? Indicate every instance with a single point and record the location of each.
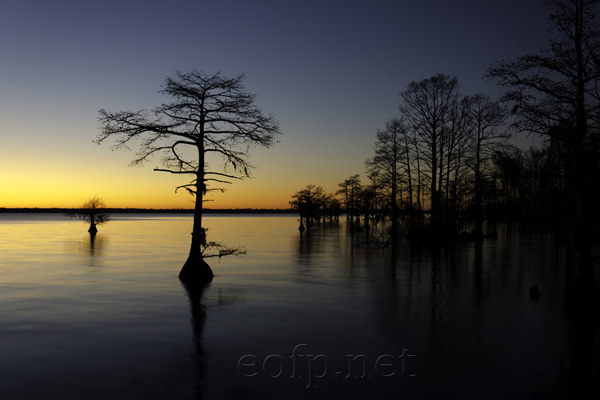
(196, 271)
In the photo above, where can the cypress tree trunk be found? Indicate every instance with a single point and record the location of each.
(196, 270)
(478, 228)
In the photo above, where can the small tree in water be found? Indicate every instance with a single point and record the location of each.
(309, 203)
(211, 118)
(92, 212)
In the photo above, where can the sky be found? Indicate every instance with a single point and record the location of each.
(329, 71)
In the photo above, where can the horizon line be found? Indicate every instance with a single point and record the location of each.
(143, 209)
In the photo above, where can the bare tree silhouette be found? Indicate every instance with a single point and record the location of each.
(391, 155)
(210, 119)
(484, 115)
(426, 106)
(310, 204)
(92, 212)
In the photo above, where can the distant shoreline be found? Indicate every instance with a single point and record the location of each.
(151, 210)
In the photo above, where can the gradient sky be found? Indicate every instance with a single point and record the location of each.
(330, 71)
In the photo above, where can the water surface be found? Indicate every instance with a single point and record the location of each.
(319, 315)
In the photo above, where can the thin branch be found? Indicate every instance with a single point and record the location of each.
(175, 172)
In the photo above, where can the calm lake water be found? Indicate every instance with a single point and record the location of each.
(319, 315)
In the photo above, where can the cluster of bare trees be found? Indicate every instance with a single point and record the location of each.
(352, 197)
(437, 155)
(438, 152)
(530, 186)
(313, 204)
(447, 154)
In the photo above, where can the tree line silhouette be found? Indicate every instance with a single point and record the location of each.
(437, 165)
(503, 183)
(445, 162)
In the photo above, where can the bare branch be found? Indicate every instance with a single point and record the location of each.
(215, 249)
(175, 172)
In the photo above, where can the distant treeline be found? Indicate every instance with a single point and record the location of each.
(446, 163)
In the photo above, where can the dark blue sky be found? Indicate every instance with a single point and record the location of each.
(330, 72)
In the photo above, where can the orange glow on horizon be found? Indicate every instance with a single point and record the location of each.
(66, 179)
(61, 185)
(52, 195)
